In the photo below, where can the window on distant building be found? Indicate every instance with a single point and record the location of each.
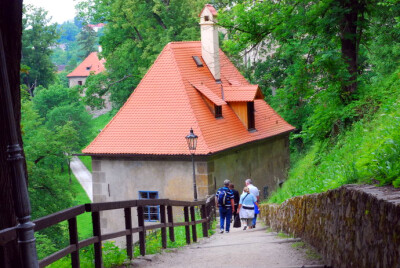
(80, 83)
(151, 213)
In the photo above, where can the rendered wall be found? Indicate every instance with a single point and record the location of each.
(73, 81)
(352, 226)
(266, 163)
(116, 180)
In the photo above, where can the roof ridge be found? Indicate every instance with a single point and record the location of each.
(188, 99)
(188, 41)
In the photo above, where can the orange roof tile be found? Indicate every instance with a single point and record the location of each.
(92, 64)
(209, 94)
(160, 112)
(242, 93)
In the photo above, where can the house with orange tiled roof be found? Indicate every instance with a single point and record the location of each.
(90, 65)
(142, 152)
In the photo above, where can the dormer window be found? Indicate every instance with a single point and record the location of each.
(206, 18)
(217, 111)
(88, 68)
(250, 116)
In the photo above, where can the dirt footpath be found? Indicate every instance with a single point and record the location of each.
(250, 248)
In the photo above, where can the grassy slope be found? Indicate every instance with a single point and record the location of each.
(98, 124)
(368, 152)
(84, 221)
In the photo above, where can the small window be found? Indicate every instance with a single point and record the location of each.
(250, 115)
(151, 213)
(198, 61)
(218, 111)
(88, 68)
(80, 83)
(206, 18)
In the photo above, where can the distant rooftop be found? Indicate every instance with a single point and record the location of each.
(92, 64)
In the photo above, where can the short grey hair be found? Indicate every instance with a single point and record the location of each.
(227, 182)
(249, 181)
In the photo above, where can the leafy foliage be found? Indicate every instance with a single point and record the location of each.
(299, 54)
(368, 152)
(54, 124)
(37, 38)
(87, 40)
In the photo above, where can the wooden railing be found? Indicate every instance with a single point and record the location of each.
(207, 212)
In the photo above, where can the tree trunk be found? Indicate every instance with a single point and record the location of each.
(11, 28)
(348, 38)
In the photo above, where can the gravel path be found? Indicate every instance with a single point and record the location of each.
(250, 248)
(83, 175)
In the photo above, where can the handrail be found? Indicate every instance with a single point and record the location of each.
(58, 217)
(207, 209)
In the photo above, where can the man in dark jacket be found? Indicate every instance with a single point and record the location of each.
(236, 198)
(224, 201)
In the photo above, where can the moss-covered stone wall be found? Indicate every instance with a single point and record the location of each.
(352, 226)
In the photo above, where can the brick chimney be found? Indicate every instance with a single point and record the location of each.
(209, 40)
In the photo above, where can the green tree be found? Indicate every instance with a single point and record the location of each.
(135, 33)
(56, 95)
(60, 106)
(68, 32)
(74, 114)
(87, 40)
(38, 36)
(315, 54)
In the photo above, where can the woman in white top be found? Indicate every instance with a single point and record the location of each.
(246, 207)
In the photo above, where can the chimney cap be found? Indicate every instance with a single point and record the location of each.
(211, 8)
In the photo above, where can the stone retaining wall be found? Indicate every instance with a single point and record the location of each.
(352, 226)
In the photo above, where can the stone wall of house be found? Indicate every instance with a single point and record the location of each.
(266, 163)
(122, 179)
(74, 81)
(352, 226)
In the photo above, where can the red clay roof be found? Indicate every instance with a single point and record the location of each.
(242, 93)
(211, 8)
(164, 106)
(92, 64)
(209, 94)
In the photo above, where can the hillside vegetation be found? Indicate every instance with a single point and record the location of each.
(329, 69)
(367, 152)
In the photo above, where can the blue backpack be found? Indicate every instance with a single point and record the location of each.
(222, 197)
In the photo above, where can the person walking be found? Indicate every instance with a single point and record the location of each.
(253, 190)
(247, 203)
(236, 198)
(224, 201)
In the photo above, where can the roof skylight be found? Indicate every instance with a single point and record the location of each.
(198, 61)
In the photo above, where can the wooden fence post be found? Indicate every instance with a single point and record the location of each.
(209, 215)
(193, 218)
(142, 233)
(204, 224)
(128, 226)
(163, 229)
(187, 228)
(74, 240)
(171, 220)
(98, 256)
